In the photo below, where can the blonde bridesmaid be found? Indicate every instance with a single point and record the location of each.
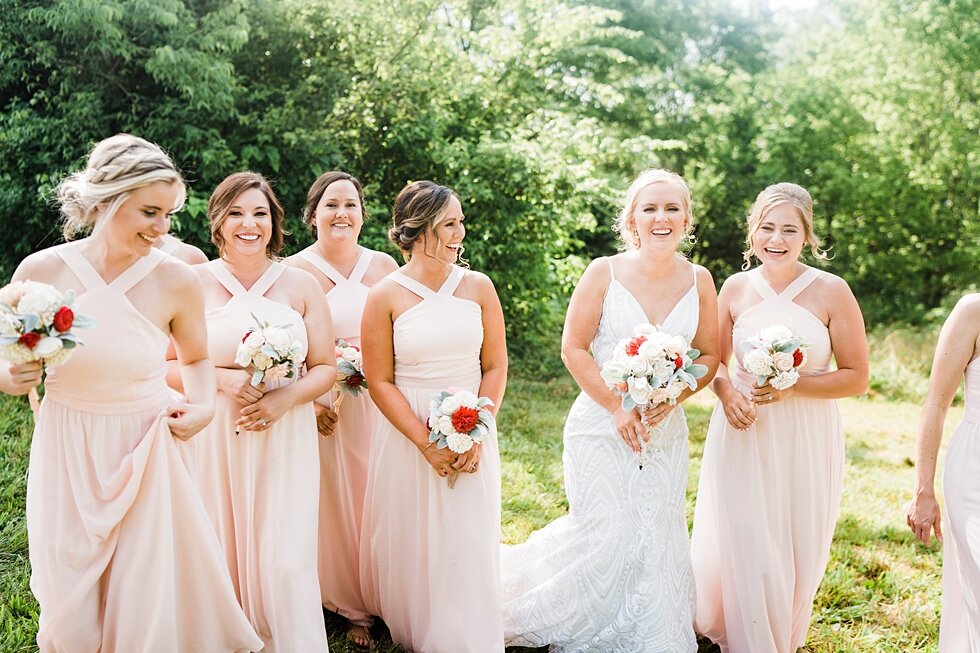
(430, 553)
(123, 557)
(957, 357)
(257, 461)
(346, 271)
(773, 466)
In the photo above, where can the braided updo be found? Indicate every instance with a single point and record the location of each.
(419, 206)
(116, 166)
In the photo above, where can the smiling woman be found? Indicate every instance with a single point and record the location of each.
(110, 505)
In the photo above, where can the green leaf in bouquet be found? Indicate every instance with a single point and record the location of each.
(31, 321)
(84, 322)
(628, 402)
(257, 378)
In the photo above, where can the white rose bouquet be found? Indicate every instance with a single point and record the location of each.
(776, 355)
(271, 351)
(649, 368)
(350, 371)
(37, 322)
(458, 420)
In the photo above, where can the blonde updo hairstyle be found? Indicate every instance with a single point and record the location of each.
(223, 198)
(625, 227)
(116, 167)
(420, 206)
(776, 195)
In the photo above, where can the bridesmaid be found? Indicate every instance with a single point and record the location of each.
(773, 465)
(430, 553)
(123, 557)
(260, 451)
(957, 356)
(174, 246)
(346, 271)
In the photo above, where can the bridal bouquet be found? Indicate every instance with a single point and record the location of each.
(271, 351)
(776, 354)
(458, 420)
(350, 371)
(37, 322)
(649, 368)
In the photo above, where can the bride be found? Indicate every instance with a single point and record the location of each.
(614, 576)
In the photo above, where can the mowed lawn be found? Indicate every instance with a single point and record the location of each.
(880, 593)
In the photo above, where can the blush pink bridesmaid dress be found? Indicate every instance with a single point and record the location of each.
(261, 488)
(123, 557)
(959, 626)
(430, 563)
(769, 497)
(344, 456)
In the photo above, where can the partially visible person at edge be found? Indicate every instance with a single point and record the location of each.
(430, 552)
(957, 357)
(346, 271)
(123, 557)
(773, 465)
(257, 460)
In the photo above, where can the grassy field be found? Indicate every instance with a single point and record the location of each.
(881, 590)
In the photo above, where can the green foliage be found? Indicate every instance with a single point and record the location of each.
(538, 113)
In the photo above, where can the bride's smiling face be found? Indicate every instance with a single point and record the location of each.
(659, 217)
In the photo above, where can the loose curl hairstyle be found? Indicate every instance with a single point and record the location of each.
(420, 206)
(624, 226)
(116, 167)
(319, 187)
(223, 198)
(776, 195)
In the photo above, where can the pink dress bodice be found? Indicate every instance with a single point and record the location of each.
(347, 297)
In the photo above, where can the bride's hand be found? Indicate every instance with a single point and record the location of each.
(739, 410)
(630, 427)
(653, 415)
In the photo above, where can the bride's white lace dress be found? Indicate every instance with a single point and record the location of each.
(614, 576)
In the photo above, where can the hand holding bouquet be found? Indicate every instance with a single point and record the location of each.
(775, 355)
(350, 371)
(271, 351)
(649, 368)
(458, 420)
(36, 324)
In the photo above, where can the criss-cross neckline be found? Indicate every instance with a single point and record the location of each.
(232, 284)
(794, 288)
(90, 277)
(357, 273)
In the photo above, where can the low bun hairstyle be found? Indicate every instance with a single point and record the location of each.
(419, 206)
(116, 166)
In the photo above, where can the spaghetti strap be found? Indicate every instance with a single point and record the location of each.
(451, 283)
(759, 283)
(138, 271)
(269, 277)
(225, 278)
(80, 266)
(694, 272)
(411, 285)
(361, 267)
(323, 266)
(612, 274)
(800, 284)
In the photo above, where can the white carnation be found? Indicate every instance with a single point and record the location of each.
(782, 361)
(651, 349)
(9, 324)
(639, 366)
(254, 340)
(449, 405)
(17, 354)
(639, 389)
(278, 339)
(661, 368)
(243, 356)
(467, 398)
(351, 355)
(40, 299)
(775, 332)
(459, 443)
(784, 380)
(647, 330)
(758, 362)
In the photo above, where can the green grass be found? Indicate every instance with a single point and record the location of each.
(880, 593)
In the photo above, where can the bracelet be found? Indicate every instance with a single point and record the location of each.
(426, 448)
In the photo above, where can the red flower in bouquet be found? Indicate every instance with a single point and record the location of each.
(63, 319)
(678, 362)
(797, 358)
(29, 339)
(465, 419)
(355, 380)
(633, 346)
